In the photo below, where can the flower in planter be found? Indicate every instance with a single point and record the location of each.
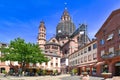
(84, 73)
(105, 73)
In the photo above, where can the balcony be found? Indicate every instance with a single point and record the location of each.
(111, 55)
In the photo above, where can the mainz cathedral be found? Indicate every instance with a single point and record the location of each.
(68, 39)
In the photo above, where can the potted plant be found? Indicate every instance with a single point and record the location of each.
(84, 73)
(5, 73)
(44, 72)
(74, 71)
(55, 72)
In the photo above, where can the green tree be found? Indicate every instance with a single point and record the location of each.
(24, 53)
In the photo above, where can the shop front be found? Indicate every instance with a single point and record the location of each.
(117, 69)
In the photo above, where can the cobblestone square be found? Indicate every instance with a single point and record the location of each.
(60, 77)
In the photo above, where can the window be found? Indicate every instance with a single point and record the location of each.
(89, 57)
(110, 37)
(89, 48)
(94, 56)
(81, 52)
(81, 60)
(102, 42)
(85, 50)
(78, 61)
(94, 46)
(51, 64)
(47, 47)
(85, 59)
(56, 64)
(111, 50)
(102, 52)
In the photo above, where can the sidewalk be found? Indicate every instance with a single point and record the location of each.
(98, 78)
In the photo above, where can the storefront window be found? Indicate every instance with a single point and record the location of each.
(93, 70)
(105, 68)
(88, 70)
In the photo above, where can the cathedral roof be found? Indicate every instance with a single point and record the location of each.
(66, 27)
(52, 43)
(77, 31)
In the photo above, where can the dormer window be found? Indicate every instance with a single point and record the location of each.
(110, 37)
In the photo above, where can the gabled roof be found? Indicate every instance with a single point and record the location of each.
(108, 19)
(52, 41)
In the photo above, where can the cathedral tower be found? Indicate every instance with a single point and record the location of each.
(42, 35)
(66, 27)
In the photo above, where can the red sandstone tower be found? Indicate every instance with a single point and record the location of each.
(42, 35)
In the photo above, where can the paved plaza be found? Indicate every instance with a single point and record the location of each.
(60, 77)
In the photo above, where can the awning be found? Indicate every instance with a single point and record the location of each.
(100, 63)
(82, 65)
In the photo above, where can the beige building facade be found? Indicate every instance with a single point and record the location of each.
(85, 58)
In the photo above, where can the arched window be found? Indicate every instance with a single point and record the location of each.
(2, 69)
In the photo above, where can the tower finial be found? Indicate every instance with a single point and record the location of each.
(65, 5)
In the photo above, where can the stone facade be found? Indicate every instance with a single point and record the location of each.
(66, 42)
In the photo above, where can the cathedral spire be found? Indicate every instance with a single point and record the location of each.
(65, 16)
(42, 24)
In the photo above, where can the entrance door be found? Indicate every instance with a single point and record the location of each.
(117, 69)
(78, 70)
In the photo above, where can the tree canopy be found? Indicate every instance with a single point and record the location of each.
(24, 53)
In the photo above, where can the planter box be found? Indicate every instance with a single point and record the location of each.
(106, 75)
(84, 73)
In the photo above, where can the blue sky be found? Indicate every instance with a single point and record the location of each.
(21, 18)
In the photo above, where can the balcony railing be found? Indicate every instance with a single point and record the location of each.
(111, 55)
